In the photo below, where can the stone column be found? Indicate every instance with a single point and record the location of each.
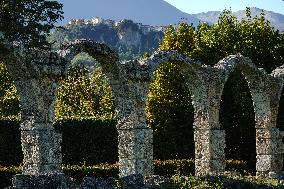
(41, 147)
(41, 144)
(209, 139)
(36, 75)
(269, 152)
(135, 138)
(269, 145)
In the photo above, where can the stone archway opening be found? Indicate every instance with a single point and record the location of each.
(170, 114)
(237, 118)
(85, 109)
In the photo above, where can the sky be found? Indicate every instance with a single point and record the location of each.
(197, 6)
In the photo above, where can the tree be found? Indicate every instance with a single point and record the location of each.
(9, 100)
(169, 113)
(85, 92)
(28, 22)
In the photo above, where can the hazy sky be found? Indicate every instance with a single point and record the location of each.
(197, 6)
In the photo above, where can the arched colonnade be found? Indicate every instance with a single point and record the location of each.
(37, 75)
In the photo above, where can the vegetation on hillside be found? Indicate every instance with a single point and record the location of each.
(127, 38)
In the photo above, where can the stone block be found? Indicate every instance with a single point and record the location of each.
(202, 135)
(202, 150)
(126, 167)
(58, 180)
(267, 146)
(217, 144)
(51, 168)
(129, 119)
(40, 135)
(209, 143)
(263, 163)
(137, 151)
(202, 166)
(201, 122)
(217, 165)
(272, 133)
(41, 153)
(135, 136)
(266, 163)
(98, 183)
(262, 121)
(134, 181)
(31, 124)
(135, 166)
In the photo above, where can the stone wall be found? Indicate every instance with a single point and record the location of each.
(37, 75)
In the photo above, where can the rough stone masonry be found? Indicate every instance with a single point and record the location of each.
(37, 75)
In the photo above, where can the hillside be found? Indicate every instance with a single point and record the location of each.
(129, 39)
(148, 12)
(276, 19)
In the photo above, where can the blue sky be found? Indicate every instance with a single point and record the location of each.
(197, 6)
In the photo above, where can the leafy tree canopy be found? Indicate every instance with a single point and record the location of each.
(28, 22)
(252, 37)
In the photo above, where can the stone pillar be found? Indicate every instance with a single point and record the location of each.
(269, 145)
(135, 138)
(41, 147)
(41, 144)
(209, 151)
(135, 151)
(36, 75)
(269, 156)
(209, 139)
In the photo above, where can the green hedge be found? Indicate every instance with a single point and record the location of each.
(88, 141)
(10, 143)
(6, 175)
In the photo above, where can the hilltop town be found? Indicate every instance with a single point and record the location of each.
(112, 23)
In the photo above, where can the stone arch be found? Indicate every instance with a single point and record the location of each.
(190, 69)
(125, 95)
(108, 58)
(254, 77)
(180, 139)
(260, 85)
(237, 119)
(196, 77)
(109, 61)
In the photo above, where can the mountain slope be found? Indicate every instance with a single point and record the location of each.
(276, 19)
(127, 39)
(151, 12)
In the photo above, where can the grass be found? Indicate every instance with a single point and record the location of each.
(178, 174)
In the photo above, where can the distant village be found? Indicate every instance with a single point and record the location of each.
(112, 23)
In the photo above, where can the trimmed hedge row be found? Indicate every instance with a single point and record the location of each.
(6, 175)
(92, 142)
(179, 171)
(88, 141)
(10, 143)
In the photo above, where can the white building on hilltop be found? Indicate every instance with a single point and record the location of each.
(76, 22)
(96, 20)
